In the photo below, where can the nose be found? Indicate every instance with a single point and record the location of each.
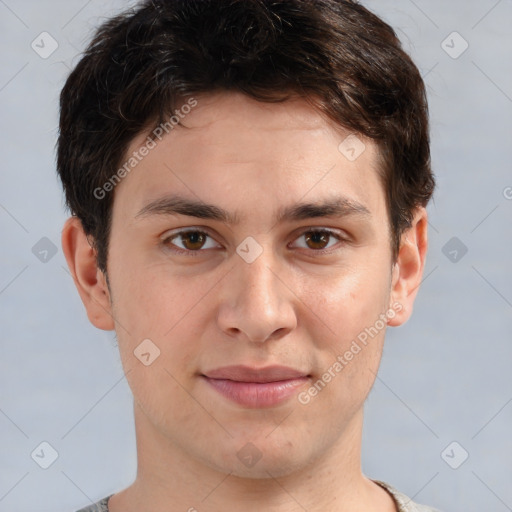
(256, 302)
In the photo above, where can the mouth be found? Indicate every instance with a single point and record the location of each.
(256, 387)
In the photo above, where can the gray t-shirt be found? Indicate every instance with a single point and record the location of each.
(403, 503)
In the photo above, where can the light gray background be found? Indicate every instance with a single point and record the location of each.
(445, 375)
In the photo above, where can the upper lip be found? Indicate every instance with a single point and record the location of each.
(249, 374)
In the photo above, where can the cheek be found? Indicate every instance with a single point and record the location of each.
(149, 305)
(153, 301)
(349, 300)
(350, 346)
(167, 309)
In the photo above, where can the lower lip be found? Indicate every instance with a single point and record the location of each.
(255, 394)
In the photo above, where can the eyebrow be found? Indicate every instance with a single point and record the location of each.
(337, 206)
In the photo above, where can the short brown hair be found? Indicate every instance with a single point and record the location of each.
(335, 53)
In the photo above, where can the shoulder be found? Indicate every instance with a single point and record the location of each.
(403, 502)
(99, 506)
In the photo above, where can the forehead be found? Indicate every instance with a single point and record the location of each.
(294, 113)
(234, 149)
(235, 122)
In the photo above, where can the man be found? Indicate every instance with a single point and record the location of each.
(248, 182)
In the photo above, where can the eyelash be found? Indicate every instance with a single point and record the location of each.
(188, 252)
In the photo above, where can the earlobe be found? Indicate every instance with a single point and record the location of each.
(408, 269)
(89, 279)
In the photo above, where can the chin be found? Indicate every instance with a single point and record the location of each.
(259, 460)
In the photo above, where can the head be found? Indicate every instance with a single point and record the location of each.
(271, 117)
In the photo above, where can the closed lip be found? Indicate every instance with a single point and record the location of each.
(258, 375)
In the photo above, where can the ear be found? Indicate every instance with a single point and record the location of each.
(408, 268)
(89, 279)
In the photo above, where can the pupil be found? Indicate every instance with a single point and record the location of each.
(318, 237)
(195, 238)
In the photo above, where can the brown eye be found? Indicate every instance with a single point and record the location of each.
(190, 241)
(320, 240)
(317, 239)
(193, 240)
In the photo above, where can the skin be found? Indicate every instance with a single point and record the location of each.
(209, 308)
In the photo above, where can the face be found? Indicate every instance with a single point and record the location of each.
(285, 263)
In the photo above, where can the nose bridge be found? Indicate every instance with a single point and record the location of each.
(256, 302)
(257, 280)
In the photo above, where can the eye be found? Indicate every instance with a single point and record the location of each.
(192, 240)
(320, 239)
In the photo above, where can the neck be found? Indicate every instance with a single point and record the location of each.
(169, 477)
